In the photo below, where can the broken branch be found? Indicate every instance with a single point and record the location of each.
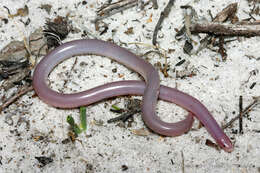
(249, 30)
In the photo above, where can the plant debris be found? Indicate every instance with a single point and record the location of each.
(46, 7)
(140, 132)
(16, 66)
(43, 160)
(77, 129)
(57, 30)
(8, 68)
(133, 106)
(217, 29)
(20, 12)
(212, 144)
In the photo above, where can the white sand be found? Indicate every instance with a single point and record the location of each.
(111, 146)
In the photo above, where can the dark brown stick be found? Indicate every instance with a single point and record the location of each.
(241, 115)
(163, 15)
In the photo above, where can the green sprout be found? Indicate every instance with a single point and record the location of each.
(83, 120)
(77, 129)
(116, 108)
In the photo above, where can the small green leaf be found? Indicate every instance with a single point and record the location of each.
(74, 126)
(116, 108)
(70, 120)
(83, 120)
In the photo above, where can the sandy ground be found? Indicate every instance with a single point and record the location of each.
(108, 147)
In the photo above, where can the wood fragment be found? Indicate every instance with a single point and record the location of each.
(226, 13)
(23, 91)
(163, 15)
(226, 29)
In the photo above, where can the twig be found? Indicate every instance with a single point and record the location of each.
(226, 29)
(163, 15)
(245, 111)
(182, 162)
(241, 116)
(23, 91)
(114, 8)
(124, 117)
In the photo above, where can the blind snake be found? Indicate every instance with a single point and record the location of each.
(150, 89)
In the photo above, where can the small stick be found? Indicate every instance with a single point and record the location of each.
(226, 29)
(23, 91)
(163, 15)
(240, 115)
(124, 117)
(182, 162)
(245, 111)
(114, 8)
